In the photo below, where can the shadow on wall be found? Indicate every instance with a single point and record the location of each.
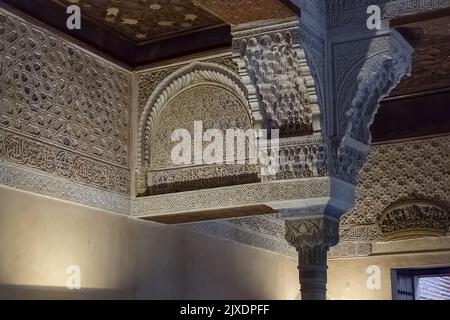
(223, 269)
(12, 292)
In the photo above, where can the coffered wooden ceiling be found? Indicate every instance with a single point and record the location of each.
(138, 32)
(142, 20)
(237, 12)
(431, 59)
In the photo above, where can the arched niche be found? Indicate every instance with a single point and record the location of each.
(200, 92)
(411, 219)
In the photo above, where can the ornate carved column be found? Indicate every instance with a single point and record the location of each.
(319, 86)
(319, 80)
(312, 237)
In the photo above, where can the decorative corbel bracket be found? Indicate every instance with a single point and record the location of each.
(384, 63)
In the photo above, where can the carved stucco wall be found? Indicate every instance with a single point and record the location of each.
(63, 111)
(409, 174)
(405, 174)
(412, 169)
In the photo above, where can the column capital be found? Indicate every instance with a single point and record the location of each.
(312, 237)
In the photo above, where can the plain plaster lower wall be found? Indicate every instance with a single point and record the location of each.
(217, 269)
(121, 257)
(211, 268)
(125, 258)
(40, 238)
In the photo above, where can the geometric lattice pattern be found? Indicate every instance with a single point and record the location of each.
(409, 170)
(57, 93)
(62, 110)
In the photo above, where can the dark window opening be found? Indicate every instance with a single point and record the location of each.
(421, 284)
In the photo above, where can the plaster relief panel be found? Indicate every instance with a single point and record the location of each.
(414, 174)
(175, 97)
(63, 111)
(217, 108)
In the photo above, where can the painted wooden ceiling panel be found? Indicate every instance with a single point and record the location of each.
(237, 12)
(431, 59)
(143, 20)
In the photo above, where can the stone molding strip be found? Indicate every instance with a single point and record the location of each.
(271, 193)
(43, 184)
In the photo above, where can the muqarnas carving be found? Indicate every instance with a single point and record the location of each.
(271, 57)
(283, 95)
